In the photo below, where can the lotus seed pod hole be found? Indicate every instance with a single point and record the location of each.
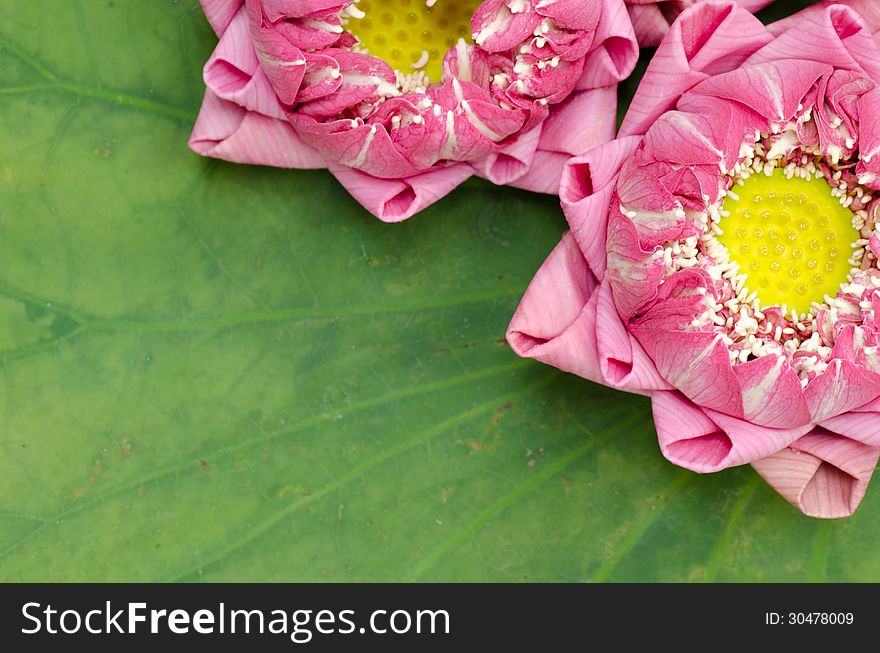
(412, 35)
(791, 236)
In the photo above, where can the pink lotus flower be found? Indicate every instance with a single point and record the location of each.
(651, 18)
(704, 266)
(290, 84)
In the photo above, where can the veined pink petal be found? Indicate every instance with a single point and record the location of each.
(773, 89)
(496, 28)
(708, 39)
(583, 121)
(868, 168)
(567, 319)
(283, 63)
(570, 14)
(586, 189)
(847, 42)
(544, 174)
(869, 10)
(275, 10)
(861, 424)
(651, 24)
(234, 73)
(616, 51)
(708, 441)
(771, 392)
(823, 474)
(842, 387)
(220, 13)
(393, 200)
(512, 162)
(226, 131)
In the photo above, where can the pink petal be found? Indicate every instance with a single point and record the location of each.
(568, 320)
(585, 120)
(512, 162)
(615, 49)
(586, 189)
(861, 425)
(847, 41)
(649, 23)
(868, 167)
(635, 271)
(773, 89)
(822, 474)
(708, 441)
(771, 392)
(275, 10)
(708, 39)
(869, 10)
(394, 200)
(544, 174)
(283, 63)
(842, 387)
(496, 28)
(233, 71)
(226, 131)
(220, 13)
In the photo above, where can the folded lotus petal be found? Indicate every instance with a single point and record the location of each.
(512, 162)
(275, 10)
(771, 393)
(869, 10)
(393, 200)
(544, 174)
(355, 78)
(847, 42)
(283, 63)
(555, 321)
(615, 50)
(841, 388)
(234, 73)
(708, 441)
(226, 131)
(496, 27)
(708, 39)
(220, 13)
(586, 190)
(773, 89)
(822, 474)
(868, 168)
(568, 320)
(635, 271)
(584, 121)
(622, 359)
(570, 14)
(861, 424)
(651, 23)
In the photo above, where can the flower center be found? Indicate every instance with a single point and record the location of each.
(791, 236)
(412, 35)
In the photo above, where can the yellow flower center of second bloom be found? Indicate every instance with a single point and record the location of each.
(411, 35)
(791, 236)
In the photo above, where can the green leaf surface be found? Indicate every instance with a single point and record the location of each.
(224, 372)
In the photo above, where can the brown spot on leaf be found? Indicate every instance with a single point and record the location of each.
(96, 472)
